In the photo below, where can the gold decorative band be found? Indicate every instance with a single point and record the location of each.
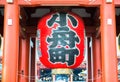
(62, 71)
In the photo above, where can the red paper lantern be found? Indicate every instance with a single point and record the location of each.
(61, 40)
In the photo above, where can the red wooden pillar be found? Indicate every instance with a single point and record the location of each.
(11, 42)
(24, 61)
(97, 77)
(108, 42)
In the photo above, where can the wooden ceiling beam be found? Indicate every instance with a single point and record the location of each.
(22, 33)
(2, 2)
(23, 16)
(117, 3)
(98, 33)
(59, 2)
(1, 31)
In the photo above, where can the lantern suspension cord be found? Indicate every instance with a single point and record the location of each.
(32, 77)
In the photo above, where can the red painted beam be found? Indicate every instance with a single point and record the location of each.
(11, 43)
(59, 2)
(108, 42)
(2, 2)
(117, 2)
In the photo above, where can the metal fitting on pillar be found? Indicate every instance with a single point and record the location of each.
(9, 1)
(109, 1)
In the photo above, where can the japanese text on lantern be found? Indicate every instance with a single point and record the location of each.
(62, 40)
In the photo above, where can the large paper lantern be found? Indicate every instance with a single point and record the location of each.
(61, 37)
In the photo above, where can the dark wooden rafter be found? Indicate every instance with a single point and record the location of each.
(31, 23)
(96, 22)
(23, 19)
(1, 17)
(22, 34)
(23, 16)
(31, 10)
(117, 30)
(97, 35)
(1, 31)
(1, 22)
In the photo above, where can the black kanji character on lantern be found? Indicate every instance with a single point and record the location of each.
(63, 55)
(61, 18)
(63, 40)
